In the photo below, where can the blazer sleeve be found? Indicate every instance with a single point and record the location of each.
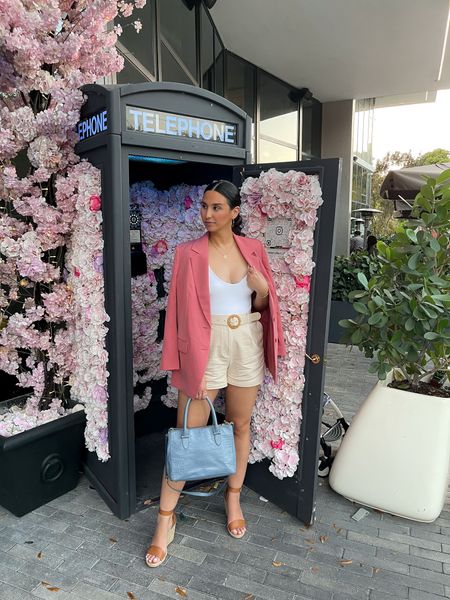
(170, 360)
(273, 303)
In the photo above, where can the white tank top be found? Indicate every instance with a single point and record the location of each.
(229, 298)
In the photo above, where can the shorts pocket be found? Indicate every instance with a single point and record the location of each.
(253, 335)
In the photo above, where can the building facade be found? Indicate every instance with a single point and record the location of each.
(362, 159)
(179, 42)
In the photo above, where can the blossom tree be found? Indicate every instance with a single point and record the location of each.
(48, 49)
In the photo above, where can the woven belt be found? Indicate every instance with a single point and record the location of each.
(235, 321)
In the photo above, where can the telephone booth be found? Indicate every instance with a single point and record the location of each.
(168, 134)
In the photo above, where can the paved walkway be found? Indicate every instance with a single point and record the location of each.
(74, 548)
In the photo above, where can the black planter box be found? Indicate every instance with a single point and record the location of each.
(41, 464)
(339, 309)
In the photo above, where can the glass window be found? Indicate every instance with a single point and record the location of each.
(311, 128)
(208, 79)
(361, 186)
(240, 84)
(307, 118)
(272, 152)
(363, 129)
(316, 129)
(219, 70)
(171, 69)
(278, 110)
(129, 74)
(141, 44)
(253, 150)
(207, 50)
(177, 23)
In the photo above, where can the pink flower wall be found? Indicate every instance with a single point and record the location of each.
(50, 222)
(296, 197)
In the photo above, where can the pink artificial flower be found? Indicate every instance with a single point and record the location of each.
(261, 210)
(160, 247)
(98, 263)
(277, 445)
(187, 202)
(76, 271)
(304, 282)
(95, 203)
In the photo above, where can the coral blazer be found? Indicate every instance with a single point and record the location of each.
(187, 329)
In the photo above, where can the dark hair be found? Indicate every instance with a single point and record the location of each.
(372, 245)
(231, 193)
(357, 232)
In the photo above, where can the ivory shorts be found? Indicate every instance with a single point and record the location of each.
(236, 353)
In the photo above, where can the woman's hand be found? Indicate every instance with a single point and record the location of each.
(257, 282)
(200, 395)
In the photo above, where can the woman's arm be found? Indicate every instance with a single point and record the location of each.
(261, 302)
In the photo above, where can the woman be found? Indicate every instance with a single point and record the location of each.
(222, 323)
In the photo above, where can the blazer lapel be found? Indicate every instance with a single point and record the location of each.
(251, 256)
(199, 264)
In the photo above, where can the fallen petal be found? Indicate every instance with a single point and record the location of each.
(181, 591)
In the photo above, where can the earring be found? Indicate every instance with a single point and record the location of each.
(232, 223)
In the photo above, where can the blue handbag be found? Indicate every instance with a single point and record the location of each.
(199, 453)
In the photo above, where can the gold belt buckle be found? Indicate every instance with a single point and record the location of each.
(233, 321)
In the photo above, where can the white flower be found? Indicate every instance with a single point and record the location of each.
(23, 123)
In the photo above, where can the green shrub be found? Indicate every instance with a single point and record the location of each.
(404, 307)
(345, 273)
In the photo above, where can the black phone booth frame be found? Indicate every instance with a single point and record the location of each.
(108, 143)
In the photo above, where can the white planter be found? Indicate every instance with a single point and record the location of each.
(395, 456)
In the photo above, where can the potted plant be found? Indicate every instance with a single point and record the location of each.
(395, 456)
(345, 280)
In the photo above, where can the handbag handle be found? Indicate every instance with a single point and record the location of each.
(201, 494)
(216, 430)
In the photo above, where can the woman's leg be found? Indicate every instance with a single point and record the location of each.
(240, 402)
(198, 416)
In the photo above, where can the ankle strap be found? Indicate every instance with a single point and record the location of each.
(165, 513)
(236, 490)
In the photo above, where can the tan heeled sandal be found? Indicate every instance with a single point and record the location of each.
(156, 550)
(237, 523)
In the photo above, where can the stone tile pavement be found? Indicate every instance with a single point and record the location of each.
(74, 548)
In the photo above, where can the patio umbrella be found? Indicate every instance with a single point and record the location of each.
(406, 183)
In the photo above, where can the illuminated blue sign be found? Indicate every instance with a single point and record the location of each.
(156, 121)
(92, 125)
